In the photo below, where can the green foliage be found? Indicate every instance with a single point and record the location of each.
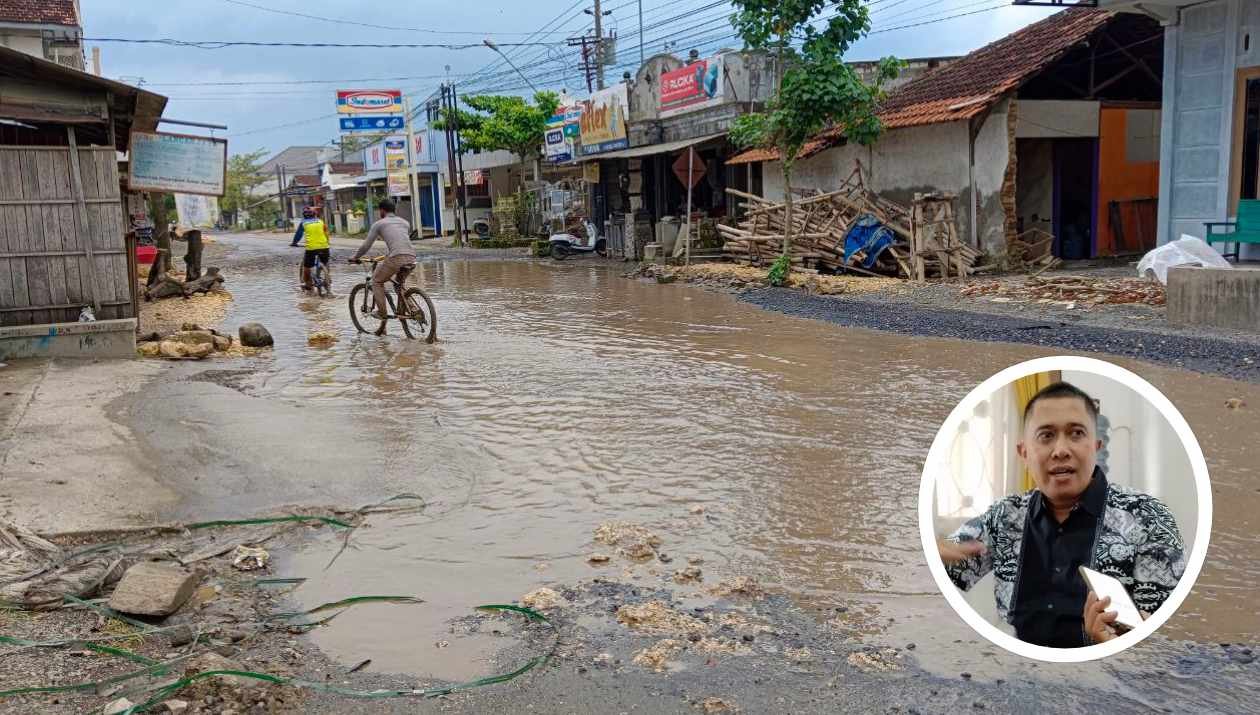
(244, 173)
(817, 89)
(779, 270)
(504, 123)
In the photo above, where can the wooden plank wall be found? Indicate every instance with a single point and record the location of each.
(45, 272)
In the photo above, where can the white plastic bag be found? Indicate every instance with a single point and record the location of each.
(1186, 251)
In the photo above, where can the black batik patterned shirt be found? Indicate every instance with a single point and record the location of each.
(1137, 542)
(1051, 598)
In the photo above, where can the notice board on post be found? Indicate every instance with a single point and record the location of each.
(177, 164)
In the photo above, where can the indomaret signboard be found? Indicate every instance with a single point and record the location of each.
(370, 110)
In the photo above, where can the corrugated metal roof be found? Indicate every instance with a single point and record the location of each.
(966, 88)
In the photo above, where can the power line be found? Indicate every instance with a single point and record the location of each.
(218, 45)
(289, 82)
(362, 24)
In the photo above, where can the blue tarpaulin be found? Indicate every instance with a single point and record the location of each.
(867, 234)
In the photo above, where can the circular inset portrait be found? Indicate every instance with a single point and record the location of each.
(1065, 509)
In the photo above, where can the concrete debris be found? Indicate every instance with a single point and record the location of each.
(1070, 291)
(656, 657)
(598, 558)
(181, 635)
(634, 542)
(798, 655)
(246, 558)
(176, 707)
(254, 335)
(712, 706)
(697, 509)
(1235, 403)
(153, 588)
(659, 619)
(321, 339)
(119, 706)
(214, 661)
(721, 646)
(151, 350)
(874, 661)
(738, 586)
(691, 574)
(192, 337)
(543, 599)
(617, 532)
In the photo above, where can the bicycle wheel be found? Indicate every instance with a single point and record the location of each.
(422, 316)
(362, 305)
(320, 277)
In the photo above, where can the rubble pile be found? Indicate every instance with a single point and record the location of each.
(1073, 291)
(854, 229)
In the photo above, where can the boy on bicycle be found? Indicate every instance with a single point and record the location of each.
(316, 247)
(400, 255)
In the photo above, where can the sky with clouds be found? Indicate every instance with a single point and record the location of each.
(283, 96)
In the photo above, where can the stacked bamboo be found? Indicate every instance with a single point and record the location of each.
(926, 237)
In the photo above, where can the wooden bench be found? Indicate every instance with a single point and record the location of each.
(1246, 228)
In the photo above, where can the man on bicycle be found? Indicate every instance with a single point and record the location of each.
(400, 256)
(316, 246)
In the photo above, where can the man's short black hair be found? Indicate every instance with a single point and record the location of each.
(387, 205)
(1063, 389)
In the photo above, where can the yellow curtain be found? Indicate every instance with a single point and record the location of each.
(1025, 388)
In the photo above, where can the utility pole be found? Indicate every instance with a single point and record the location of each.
(642, 61)
(459, 158)
(450, 162)
(280, 193)
(411, 169)
(599, 45)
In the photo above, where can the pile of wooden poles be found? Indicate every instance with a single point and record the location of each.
(925, 234)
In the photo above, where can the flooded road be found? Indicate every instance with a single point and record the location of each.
(562, 396)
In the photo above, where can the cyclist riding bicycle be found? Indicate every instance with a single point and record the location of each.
(400, 256)
(316, 234)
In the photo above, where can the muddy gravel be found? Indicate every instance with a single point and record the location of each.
(1217, 356)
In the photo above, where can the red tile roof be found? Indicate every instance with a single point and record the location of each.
(965, 88)
(346, 168)
(305, 180)
(39, 12)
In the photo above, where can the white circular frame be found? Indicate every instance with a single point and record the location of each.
(1203, 491)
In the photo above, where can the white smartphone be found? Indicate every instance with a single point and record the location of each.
(1127, 614)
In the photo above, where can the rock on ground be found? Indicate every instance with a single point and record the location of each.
(543, 599)
(152, 588)
(254, 335)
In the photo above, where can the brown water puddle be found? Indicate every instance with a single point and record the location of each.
(563, 396)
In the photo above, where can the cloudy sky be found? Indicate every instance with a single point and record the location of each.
(273, 97)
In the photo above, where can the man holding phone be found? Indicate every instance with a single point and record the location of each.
(1035, 543)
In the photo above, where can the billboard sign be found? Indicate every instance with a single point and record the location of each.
(374, 123)
(603, 122)
(369, 101)
(370, 110)
(177, 164)
(562, 130)
(396, 163)
(197, 211)
(698, 85)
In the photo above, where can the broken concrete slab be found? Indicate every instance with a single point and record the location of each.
(153, 588)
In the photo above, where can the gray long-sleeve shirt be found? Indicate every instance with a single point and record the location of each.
(395, 232)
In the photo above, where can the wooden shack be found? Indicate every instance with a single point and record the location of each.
(63, 225)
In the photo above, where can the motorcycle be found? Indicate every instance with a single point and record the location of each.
(564, 245)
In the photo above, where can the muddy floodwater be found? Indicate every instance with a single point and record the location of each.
(562, 396)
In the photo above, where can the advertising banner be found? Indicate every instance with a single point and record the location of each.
(396, 163)
(603, 122)
(698, 85)
(177, 164)
(196, 211)
(374, 156)
(562, 130)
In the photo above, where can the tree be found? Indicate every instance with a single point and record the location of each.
(244, 174)
(505, 123)
(817, 90)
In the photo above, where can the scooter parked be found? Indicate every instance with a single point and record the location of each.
(566, 244)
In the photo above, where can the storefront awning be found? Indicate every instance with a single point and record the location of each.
(666, 148)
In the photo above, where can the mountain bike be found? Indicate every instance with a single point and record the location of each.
(319, 277)
(418, 316)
